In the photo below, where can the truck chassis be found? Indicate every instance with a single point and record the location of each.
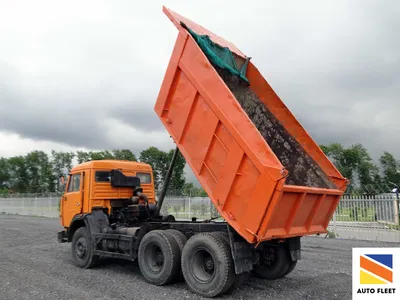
(210, 256)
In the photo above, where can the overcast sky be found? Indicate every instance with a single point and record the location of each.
(86, 74)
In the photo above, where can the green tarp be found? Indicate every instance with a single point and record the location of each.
(218, 55)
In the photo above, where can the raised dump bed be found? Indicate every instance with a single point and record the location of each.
(262, 170)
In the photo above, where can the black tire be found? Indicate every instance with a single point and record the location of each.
(181, 240)
(207, 265)
(159, 257)
(222, 235)
(82, 252)
(274, 268)
(179, 237)
(236, 279)
(291, 268)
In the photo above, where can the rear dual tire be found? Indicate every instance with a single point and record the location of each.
(275, 263)
(159, 257)
(204, 261)
(236, 279)
(207, 265)
(181, 240)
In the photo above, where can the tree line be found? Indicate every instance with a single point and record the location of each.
(37, 172)
(366, 177)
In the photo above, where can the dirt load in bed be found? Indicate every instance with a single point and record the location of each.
(303, 171)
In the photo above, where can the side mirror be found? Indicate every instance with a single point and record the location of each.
(61, 183)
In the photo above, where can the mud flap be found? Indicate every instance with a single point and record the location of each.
(241, 253)
(97, 221)
(62, 237)
(294, 246)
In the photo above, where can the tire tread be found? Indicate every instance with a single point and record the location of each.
(168, 242)
(222, 249)
(93, 259)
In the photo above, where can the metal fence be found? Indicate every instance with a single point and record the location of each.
(367, 218)
(357, 217)
(47, 205)
(31, 204)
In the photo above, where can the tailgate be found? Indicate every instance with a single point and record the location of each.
(299, 211)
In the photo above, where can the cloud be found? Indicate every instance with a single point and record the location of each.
(87, 74)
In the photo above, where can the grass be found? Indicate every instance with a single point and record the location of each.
(356, 215)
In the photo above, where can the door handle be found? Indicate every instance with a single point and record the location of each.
(77, 203)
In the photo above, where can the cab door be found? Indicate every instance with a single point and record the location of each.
(72, 199)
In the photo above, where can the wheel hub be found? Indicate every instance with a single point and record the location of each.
(81, 248)
(154, 258)
(203, 266)
(159, 258)
(269, 256)
(209, 265)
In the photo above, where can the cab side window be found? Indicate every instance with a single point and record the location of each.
(145, 178)
(103, 176)
(74, 183)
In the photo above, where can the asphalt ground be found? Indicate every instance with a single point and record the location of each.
(33, 265)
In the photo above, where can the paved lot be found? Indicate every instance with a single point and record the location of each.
(34, 266)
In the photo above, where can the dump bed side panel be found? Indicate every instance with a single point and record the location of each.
(225, 151)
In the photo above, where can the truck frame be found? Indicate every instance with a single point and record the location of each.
(268, 195)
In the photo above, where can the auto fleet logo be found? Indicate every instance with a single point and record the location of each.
(376, 268)
(375, 273)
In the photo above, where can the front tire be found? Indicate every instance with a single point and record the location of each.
(82, 252)
(207, 265)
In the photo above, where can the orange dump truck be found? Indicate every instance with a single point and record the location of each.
(262, 170)
(268, 179)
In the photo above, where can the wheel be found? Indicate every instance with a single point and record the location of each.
(159, 257)
(207, 265)
(82, 255)
(274, 263)
(181, 240)
(237, 282)
(291, 267)
(179, 237)
(222, 235)
(236, 279)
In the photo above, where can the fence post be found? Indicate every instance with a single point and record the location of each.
(35, 207)
(189, 215)
(334, 223)
(397, 211)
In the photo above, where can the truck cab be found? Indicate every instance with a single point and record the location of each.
(89, 186)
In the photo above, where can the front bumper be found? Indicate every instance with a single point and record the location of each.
(62, 237)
